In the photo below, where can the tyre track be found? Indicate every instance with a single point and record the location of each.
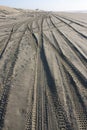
(47, 108)
(79, 101)
(36, 118)
(7, 86)
(85, 64)
(78, 32)
(82, 39)
(34, 39)
(68, 106)
(1, 55)
(80, 111)
(73, 47)
(76, 71)
(34, 110)
(40, 84)
(31, 115)
(13, 31)
(65, 62)
(74, 21)
(61, 116)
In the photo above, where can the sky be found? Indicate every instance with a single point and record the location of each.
(50, 5)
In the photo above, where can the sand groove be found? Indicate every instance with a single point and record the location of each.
(43, 71)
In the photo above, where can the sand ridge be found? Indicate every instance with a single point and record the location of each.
(43, 70)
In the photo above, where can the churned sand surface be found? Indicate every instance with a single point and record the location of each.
(43, 70)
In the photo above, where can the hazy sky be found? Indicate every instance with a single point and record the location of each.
(56, 5)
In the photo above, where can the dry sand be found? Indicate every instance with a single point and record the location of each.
(43, 70)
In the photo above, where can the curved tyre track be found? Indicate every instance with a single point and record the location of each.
(43, 80)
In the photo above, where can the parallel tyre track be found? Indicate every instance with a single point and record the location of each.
(45, 109)
(83, 79)
(80, 107)
(59, 112)
(69, 25)
(71, 45)
(7, 85)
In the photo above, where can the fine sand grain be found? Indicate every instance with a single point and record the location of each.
(43, 70)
